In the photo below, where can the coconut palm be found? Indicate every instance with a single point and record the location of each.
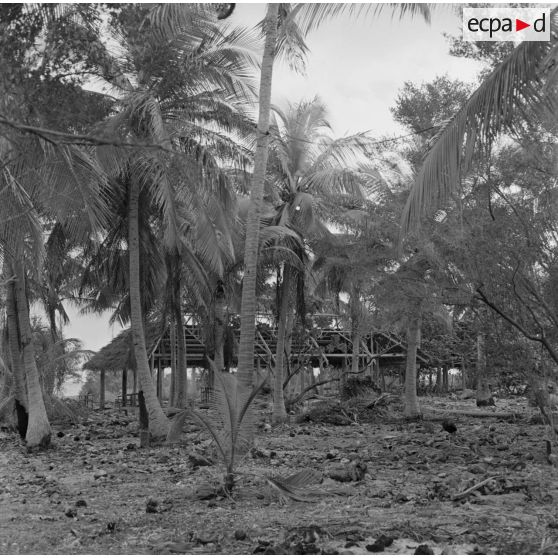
(309, 172)
(284, 27)
(189, 96)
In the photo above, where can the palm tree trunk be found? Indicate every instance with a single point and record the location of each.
(279, 412)
(158, 422)
(483, 396)
(173, 360)
(287, 352)
(182, 369)
(248, 306)
(412, 409)
(219, 330)
(18, 371)
(356, 352)
(38, 430)
(439, 381)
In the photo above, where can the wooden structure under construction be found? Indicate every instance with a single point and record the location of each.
(328, 347)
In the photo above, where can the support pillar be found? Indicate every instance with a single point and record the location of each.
(102, 391)
(159, 381)
(124, 386)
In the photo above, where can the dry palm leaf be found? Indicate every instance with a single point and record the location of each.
(296, 486)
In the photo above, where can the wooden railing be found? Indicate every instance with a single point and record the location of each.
(131, 400)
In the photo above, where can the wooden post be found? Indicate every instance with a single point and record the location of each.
(102, 391)
(159, 381)
(124, 386)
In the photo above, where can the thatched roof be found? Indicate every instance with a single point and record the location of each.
(119, 353)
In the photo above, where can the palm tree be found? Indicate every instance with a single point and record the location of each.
(284, 27)
(309, 174)
(248, 305)
(43, 181)
(189, 99)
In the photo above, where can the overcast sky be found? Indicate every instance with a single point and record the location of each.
(357, 68)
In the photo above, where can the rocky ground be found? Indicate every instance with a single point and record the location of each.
(488, 488)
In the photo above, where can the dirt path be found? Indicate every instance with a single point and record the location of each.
(90, 493)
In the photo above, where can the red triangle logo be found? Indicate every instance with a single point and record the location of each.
(519, 25)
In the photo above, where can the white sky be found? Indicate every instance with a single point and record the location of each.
(357, 68)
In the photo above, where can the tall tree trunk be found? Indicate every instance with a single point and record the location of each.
(182, 370)
(158, 422)
(48, 375)
(483, 396)
(219, 330)
(38, 430)
(356, 352)
(173, 360)
(288, 349)
(279, 412)
(343, 379)
(355, 326)
(14, 343)
(181, 362)
(412, 409)
(248, 306)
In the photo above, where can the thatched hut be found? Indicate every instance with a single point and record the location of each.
(118, 355)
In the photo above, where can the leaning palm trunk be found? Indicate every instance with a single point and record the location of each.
(248, 306)
(38, 429)
(158, 422)
(412, 409)
(18, 371)
(279, 411)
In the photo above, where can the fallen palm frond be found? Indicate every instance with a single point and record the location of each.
(475, 487)
(295, 487)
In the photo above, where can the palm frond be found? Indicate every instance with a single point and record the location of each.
(499, 104)
(312, 16)
(293, 486)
